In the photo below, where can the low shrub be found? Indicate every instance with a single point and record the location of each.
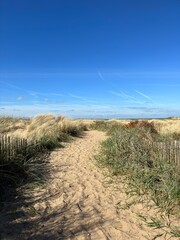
(143, 124)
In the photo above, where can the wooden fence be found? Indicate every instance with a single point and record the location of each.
(10, 147)
(168, 151)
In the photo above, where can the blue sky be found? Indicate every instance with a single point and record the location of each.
(93, 59)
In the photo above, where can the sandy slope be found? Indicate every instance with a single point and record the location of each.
(78, 203)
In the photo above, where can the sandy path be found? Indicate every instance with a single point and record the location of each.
(78, 203)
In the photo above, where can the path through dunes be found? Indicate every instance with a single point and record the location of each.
(77, 202)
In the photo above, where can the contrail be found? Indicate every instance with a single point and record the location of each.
(104, 80)
(123, 95)
(116, 94)
(78, 97)
(82, 98)
(128, 96)
(144, 95)
(147, 97)
(133, 101)
(34, 93)
(12, 86)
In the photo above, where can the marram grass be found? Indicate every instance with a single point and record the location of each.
(46, 132)
(129, 152)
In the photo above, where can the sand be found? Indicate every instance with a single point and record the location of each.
(77, 202)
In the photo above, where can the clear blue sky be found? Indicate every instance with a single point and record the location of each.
(90, 58)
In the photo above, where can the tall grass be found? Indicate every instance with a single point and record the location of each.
(129, 152)
(46, 132)
(168, 126)
(28, 164)
(105, 125)
(40, 124)
(11, 124)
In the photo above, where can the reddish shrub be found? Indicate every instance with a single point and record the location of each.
(142, 123)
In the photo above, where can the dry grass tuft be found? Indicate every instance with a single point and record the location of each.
(168, 126)
(41, 125)
(44, 132)
(9, 125)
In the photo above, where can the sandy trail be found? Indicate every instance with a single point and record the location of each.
(77, 203)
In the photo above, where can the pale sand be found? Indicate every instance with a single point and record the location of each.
(78, 203)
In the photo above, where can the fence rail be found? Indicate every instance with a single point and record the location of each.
(10, 147)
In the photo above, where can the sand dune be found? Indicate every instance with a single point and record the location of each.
(77, 202)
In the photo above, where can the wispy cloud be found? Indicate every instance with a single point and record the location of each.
(34, 93)
(77, 97)
(116, 93)
(20, 98)
(31, 93)
(147, 74)
(7, 103)
(144, 95)
(89, 110)
(150, 100)
(46, 99)
(104, 80)
(101, 76)
(136, 102)
(11, 85)
(123, 95)
(90, 100)
(57, 94)
(128, 96)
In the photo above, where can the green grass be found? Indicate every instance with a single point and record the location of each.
(74, 130)
(167, 229)
(129, 152)
(106, 126)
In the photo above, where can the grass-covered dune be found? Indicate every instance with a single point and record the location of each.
(131, 151)
(42, 134)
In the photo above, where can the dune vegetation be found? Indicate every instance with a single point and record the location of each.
(140, 153)
(130, 154)
(130, 151)
(41, 134)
